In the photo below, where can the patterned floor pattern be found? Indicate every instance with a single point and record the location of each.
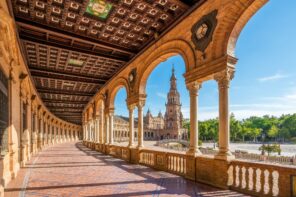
(73, 170)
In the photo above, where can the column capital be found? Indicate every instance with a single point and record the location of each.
(224, 77)
(193, 87)
(109, 110)
(141, 103)
(131, 107)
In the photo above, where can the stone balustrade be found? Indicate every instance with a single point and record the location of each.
(260, 179)
(256, 179)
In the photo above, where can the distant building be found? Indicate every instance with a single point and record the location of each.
(159, 127)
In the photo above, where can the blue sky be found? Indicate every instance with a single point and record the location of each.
(265, 78)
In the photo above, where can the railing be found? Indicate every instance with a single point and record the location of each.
(172, 162)
(184, 142)
(176, 163)
(241, 155)
(256, 179)
(260, 179)
(272, 159)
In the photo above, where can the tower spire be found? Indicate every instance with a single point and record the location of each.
(173, 79)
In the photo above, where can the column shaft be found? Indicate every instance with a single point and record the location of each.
(140, 126)
(193, 148)
(131, 126)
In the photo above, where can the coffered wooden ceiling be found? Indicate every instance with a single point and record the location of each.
(73, 47)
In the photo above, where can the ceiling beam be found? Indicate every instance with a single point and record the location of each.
(70, 48)
(63, 107)
(29, 24)
(64, 92)
(64, 72)
(66, 77)
(64, 101)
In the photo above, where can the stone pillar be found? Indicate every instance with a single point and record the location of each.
(111, 125)
(131, 125)
(87, 131)
(106, 128)
(102, 126)
(45, 132)
(193, 91)
(35, 133)
(49, 133)
(223, 78)
(97, 129)
(83, 130)
(140, 124)
(40, 134)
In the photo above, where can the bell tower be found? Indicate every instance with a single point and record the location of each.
(173, 115)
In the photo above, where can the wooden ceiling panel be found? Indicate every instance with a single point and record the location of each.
(72, 49)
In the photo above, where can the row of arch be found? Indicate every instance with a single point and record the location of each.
(28, 125)
(217, 63)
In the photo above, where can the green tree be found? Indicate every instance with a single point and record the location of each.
(273, 132)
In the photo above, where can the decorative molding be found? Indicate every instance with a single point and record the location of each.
(132, 78)
(224, 77)
(202, 31)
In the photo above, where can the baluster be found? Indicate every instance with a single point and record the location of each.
(258, 183)
(177, 164)
(181, 165)
(174, 163)
(266, 186)
(246, 178)
(275, 183)
(184, 164)
(251, 180)
(243, 178)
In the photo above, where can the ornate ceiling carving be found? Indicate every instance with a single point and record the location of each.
(73, 47)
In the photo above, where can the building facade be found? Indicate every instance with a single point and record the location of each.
(158, 127)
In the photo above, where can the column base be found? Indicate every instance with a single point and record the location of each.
(131, 146)
(227, 156)
(193, 152)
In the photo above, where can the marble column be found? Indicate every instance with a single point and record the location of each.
(40, 134)
(223, 78)
(97, 129)
(102, 126)
(111, 126)
(35, 133)
(193, 91)
(140, 124)
(106, 128)
(131, 125)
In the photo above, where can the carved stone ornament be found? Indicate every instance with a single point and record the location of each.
(132, 78)
(224, 77)
(202, 31)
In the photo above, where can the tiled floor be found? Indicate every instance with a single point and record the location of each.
(72, 170)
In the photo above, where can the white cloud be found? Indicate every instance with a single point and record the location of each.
(273, 77)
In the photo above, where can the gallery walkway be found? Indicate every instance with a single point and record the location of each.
(72, 170)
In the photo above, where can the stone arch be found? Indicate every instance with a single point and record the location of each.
(99, 104)
(166, 50)
(90, 113)
(231, 24)
(120, 83)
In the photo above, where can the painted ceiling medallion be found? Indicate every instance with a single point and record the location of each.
(203, 30)
(99, 8)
